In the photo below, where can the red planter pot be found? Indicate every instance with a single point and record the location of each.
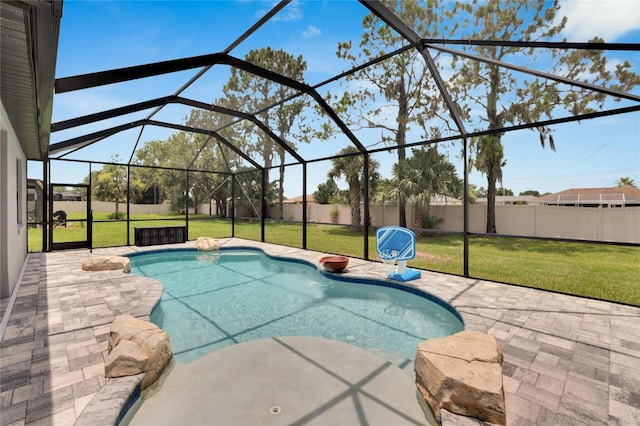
(334, 263)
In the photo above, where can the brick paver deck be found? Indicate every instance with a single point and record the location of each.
(568, 360)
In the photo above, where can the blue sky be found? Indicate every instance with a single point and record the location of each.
(101, 35)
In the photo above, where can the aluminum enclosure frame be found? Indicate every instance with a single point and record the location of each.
(414, 40)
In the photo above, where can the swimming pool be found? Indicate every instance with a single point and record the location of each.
(215, 299)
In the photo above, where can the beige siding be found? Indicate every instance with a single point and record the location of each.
(13, 229)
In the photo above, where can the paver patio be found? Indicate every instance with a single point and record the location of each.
(567, 360)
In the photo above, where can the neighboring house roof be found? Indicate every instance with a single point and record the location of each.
(511, 199)
(618, 195)
(436, 199)
(66, 196)
(298, 200)
(35, 183)
(439, 199)
(70, 195)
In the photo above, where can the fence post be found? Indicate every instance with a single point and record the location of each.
(600, 225)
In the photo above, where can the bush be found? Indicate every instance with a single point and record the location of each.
(431, 222)
(334, 214)
(117, 215)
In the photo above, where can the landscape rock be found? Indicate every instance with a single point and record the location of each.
(109, 263)
(207, 244)
(126, 359)
(137, 346)
(462, 373)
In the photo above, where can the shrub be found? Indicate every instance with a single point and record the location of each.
(117, 215)
(334, 214)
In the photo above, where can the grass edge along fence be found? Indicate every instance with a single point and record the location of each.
(600, 271)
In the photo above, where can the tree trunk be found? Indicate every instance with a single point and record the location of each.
(354, 203)
(491, 202)
(417, 220)
(267, 153)
(402, 214)
(281, 189)
(494, 154)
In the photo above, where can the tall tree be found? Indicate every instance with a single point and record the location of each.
(503, 96)
(325, 192)
(215, 156)
(110, 184)
(350, 166)
(506, 97)
(400, 85)
(180, 151)
(251, 93)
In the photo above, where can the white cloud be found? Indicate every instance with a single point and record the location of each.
(291, 12)
(608, 19)
(311, 31)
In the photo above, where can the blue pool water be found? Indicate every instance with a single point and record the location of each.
(216, 299)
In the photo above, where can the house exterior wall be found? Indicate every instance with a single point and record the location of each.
(13, 219)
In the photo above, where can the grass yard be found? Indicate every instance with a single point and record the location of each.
(600, 271)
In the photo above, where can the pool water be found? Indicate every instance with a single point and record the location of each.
(215, 299)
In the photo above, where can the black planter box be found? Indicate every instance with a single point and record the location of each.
(155, 235)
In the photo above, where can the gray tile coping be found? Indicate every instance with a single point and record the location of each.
(568, 360)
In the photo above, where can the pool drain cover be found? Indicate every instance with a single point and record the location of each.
(275, 409)
(394, 309)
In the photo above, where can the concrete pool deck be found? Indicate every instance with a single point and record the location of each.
(567, 360)
(285, 381)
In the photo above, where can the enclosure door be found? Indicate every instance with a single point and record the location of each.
(70, 221)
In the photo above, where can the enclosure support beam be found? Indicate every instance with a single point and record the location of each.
(128, 204)
(536, 73)
(465, 208)
(45, 206)
(49, 189)
(242, 115)
(186, 203)
(365, 220)
(263, 199)
(391, 19)
(304, 206)
(232, 206)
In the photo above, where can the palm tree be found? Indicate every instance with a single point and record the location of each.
(351, 167)
(416, 179)
(625, 181)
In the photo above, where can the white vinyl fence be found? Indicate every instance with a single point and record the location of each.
(106, 206)
(620, 224)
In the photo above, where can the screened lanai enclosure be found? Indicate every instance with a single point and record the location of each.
(480, 126)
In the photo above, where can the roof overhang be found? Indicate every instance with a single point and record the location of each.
(28, 48)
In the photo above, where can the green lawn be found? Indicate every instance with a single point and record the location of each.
(600, 271)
